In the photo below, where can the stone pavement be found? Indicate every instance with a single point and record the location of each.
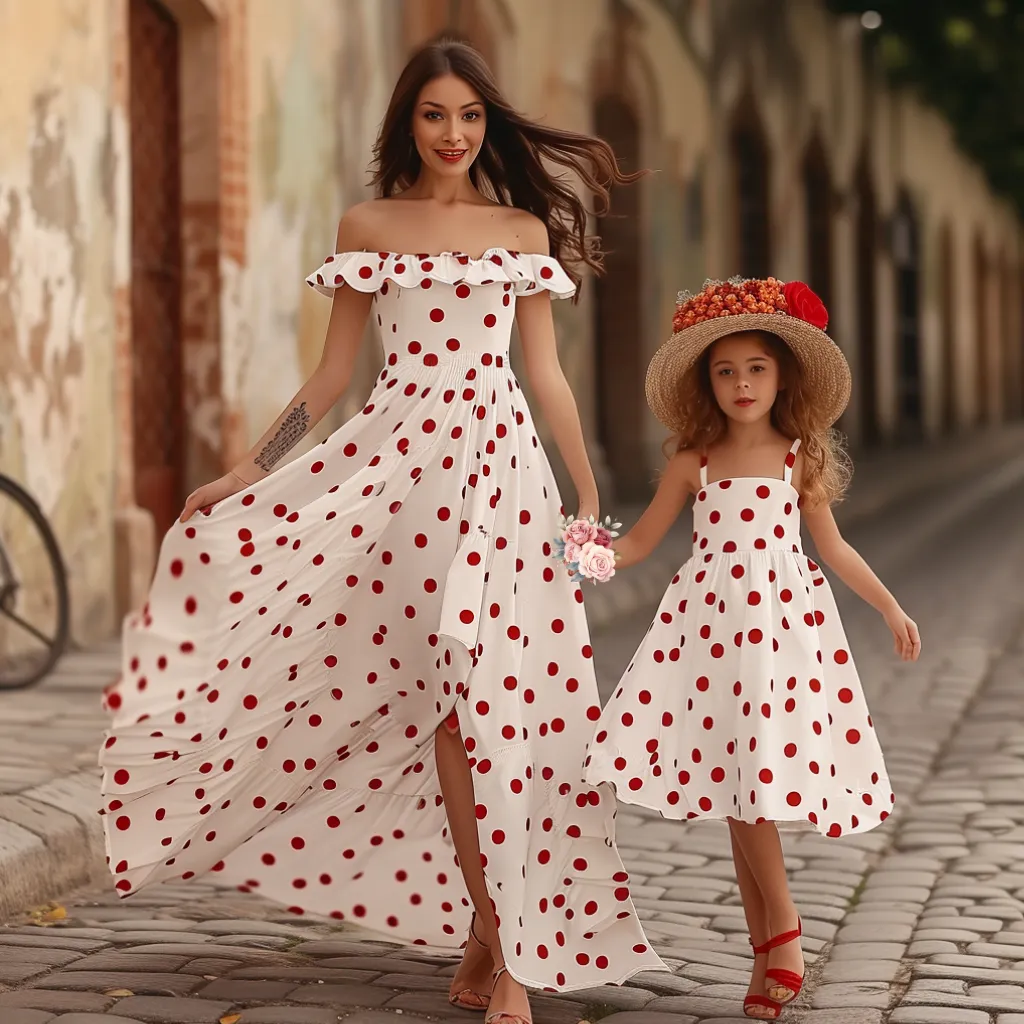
(919, 921)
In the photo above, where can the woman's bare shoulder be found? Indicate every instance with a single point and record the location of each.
(362, 223)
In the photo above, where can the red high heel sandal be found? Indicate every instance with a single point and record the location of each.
(750, 1001)
(783, 978)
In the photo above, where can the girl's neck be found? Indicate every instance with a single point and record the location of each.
(750, 435)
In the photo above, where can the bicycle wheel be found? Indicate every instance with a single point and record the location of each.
(34, 603)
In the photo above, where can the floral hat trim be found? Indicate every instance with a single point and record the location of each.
(741, 295)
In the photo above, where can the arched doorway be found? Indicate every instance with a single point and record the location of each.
(617, 312)
(748, 149)
(155, 117)
(818, 220)
(947, 285)
(982, 330)
(867, 362)
(907, 262)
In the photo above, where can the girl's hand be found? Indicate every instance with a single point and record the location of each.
(904, 631)
(211, 493)
(589, 507)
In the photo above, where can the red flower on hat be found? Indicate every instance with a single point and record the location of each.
(805, 305)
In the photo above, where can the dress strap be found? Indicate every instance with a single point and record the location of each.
(703, 470)
(787, 473)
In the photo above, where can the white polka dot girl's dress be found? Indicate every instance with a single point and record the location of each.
(304, 639)
(743, 700)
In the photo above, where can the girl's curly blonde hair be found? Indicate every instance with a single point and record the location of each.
(827, 467)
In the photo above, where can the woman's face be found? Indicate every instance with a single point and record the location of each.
(448, 124)
(744, 376)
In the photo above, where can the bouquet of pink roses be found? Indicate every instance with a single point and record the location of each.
(584, 548)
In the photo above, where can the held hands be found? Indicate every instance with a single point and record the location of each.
(904, 631)
(211, 493)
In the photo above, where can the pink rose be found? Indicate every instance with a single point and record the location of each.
(572, 551)
(579, 531)
(597, 562)
(603, 537)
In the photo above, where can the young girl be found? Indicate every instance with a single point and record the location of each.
(359, 687)
(743, 702)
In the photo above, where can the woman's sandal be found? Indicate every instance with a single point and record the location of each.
(784, 979)
(765, 1002)
(466, 998)
(501, 1015)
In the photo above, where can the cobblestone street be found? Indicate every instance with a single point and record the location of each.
(918, 922)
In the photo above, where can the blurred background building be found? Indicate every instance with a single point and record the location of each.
(170, 171)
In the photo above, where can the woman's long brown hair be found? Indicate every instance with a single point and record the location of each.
(510, 165)
(827, 467)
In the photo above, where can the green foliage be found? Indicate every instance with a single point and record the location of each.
(964, 57)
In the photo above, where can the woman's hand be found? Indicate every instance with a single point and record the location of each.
(211, 493)
(904, 630)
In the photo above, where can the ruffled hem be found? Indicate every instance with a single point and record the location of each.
(368, 271)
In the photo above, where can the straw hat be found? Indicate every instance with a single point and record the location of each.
(791, 311)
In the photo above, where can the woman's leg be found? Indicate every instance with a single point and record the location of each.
(477, 968)
(756, 914)
(762, 850)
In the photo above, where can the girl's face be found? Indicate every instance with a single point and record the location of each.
(448, 124)
(744, 376)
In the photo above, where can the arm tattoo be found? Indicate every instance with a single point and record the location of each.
(288, 435)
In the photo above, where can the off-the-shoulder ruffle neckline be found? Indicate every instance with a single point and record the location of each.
(526, 272)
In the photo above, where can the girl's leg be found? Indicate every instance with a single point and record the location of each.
(477, 968)
(762, 851)
(756, 913)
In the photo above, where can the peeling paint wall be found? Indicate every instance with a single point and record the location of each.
(58, 155)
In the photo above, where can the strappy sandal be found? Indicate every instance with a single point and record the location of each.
(501, 1015)
(467, 998)
(766, 1002)
(783, 978)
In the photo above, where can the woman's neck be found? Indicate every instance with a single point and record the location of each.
(443, 191)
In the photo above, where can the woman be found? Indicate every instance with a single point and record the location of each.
(359, 686)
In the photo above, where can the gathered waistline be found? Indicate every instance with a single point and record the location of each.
(432, 360)
(774, 549)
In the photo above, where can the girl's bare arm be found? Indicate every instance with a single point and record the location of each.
(675, 486)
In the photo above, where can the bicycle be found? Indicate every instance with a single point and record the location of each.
(34, 621)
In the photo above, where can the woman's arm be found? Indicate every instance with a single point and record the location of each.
(675, 486)
(851, 568)
(314, 398)
(548, 383)
(328, 381)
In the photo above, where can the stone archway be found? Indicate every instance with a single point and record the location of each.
(618, 312)
(751, 173)
(866, 233)
(906, 251)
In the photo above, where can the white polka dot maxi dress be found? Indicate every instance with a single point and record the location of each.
(743, 700)
(304, 639)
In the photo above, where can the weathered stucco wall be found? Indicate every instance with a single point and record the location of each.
(59, 151)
